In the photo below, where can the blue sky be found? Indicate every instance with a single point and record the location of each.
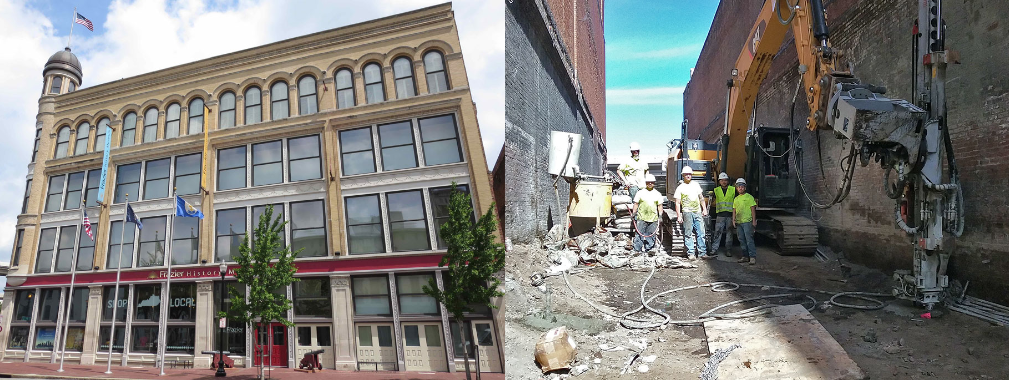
(650, 47)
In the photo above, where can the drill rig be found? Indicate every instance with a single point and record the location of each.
(909, 139)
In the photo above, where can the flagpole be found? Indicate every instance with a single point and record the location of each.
(72, 22)
(115, 297)
(168, 281)
(70, 298)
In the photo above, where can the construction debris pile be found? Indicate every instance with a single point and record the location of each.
(603, 248)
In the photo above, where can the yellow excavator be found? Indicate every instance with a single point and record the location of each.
(909, 140)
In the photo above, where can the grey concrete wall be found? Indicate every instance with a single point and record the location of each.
(540, 98)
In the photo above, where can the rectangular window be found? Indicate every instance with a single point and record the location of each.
(45, 338)
(433, 335)
(278, 212)
(127, 182)
(267, 163)
(322, 336)
(312, 298)
(371, 296)
(457, 341)
(441, 142)
(398, 151)
(412, 299)
(408, 221)
(187, 174)
(49, 305)
(47, 243)
(364, 224)
(147, 303)
(156, 178)
(38, 132)
(145, 339)
(308, 228)
(235, 331)
(19, 241)
(23, 305)
(440, 198)
(79, 308)
(230, 232)
(18, 338)
(54, 87)
(182, 303)
(28, 192)
(75, 339)
(384, 336)
(304, 336)
(231, 168)
(91, 190)
(152, 242)
(185, 241)
(103, 339)
(55, 193)
(65, 253)
(86, 250)
(304, 158)
(75, 187)
(364, 335)
(181, 339)
(356, 151)
(411, 335)
(117, 236)
(110, 298)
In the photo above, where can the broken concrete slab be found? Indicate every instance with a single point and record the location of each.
(787, 343)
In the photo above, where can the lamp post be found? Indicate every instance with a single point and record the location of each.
(220, 346)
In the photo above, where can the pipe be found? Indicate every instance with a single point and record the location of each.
(819, 26)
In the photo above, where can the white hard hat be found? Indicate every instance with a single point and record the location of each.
(741, 181)
(649, 178)
(723, 176)
(635, 146)
(687, 170)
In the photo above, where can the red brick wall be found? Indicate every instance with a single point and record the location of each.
(580, 23)
(875, 36)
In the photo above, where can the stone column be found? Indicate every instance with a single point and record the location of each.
(345, 342)
(359, 95)
(396, 326)
(327, 98)
(389, 80)
(6, 309)
(267, 105)
(239, 109)
(292, 362)
(420, 76)
(445, 325)
(455, 69)
(293, 100)
(92, 329)
(206, 322)
(183, 121)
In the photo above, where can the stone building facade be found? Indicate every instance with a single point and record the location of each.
(355, 135)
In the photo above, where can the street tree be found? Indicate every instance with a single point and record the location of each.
(472, 260)
(267, 268)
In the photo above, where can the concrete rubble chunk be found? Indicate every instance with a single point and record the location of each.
(555, 350)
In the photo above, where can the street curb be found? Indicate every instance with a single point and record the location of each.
(34, 376)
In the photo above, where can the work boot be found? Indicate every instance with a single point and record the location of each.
(728, 253)
(742, 260)
(753, 261)
(708, 257)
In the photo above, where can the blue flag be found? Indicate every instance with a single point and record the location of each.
(105, 163)
(131, 217)
(183, 208)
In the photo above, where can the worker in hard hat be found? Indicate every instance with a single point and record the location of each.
(724, 195)
(646, 208)
(632, 172)
(691, 208)
(744, 219)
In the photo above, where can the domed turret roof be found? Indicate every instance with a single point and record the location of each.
(64, 60)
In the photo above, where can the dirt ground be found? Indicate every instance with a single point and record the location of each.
(892, 343)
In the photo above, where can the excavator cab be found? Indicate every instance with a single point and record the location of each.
(770, 170)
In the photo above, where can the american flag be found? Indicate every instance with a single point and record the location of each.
(87, 226)
(80, 19)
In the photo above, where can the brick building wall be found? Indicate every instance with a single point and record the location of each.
(580, 25)
(542, 96)
(876, 38)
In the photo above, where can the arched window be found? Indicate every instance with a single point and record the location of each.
(150, 125)
(100, 134)
(402, 68)
(83, 133)
(344, 89)
(253, 105)
(434, 66)
(129, 129)
(308, 103)
(227, 118)
(196, 116)
(173, 114)
(278, 101)
(373, 83)
(57, 83)
(71, 86)
(62, 142)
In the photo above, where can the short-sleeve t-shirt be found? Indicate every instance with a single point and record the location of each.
(742, 204)
(689, 195)
(648, 202)
(634, 172)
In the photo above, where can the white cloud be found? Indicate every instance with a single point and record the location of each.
(634, 52)
(668, 96)
(146, 35)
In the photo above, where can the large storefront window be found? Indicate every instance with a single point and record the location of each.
(147, 303)
(412, 299)
(371, 296)
(103, 339)
(235, 332)
(23, 305)
(182, 303)
(312, 298)
(18, 339)
(145, 339)
(49, 305)
(79, 306)
(109, 300)
(75, 338)
(45, 338)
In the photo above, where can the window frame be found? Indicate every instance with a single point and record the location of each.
(194, 120)
(344, 152)
(62, 142)
(340, 90)
(118, 184)
(100, 132)
(410, 75)
(413, 144)
(326, 297)
(78, 141)
(280, 160)
(434, 213)
(230, 111)
(274, 100)
(38, 136)
(146, 178)
(19, 240)
(380, 223)
(443, 71)
(244, 167)
(423, 211)
(173, 127)
(148, 124)
(355, 296)
(132, 129)
(28, 193)
(41, 247)
(49, 207)
(132, 242)
(233, 234)
(176, 238)
(368, 85)
(302, 96)
(290, 161)
(457, 138)
(150, 221)
(324, 227)
(175, 172)
(400, 293)
(247, 105)
(56, 85)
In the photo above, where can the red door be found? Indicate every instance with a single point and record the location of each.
(271, 343)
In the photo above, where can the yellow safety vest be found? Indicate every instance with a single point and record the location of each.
(723, 201)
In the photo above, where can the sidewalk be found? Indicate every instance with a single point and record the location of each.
(48, 371)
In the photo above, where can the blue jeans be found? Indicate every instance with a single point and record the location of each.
(693, 222)
(633, 190)
(745, 233)
(722, 224)
(647, 228)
